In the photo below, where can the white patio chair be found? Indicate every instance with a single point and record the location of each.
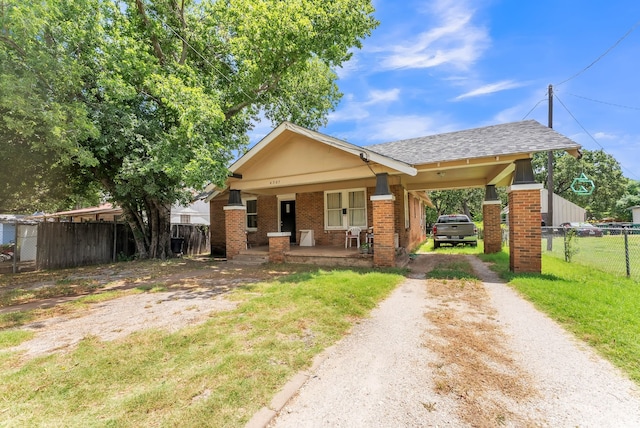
(352, 233)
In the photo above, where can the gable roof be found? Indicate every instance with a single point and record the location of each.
(398, 165)
(527, 136)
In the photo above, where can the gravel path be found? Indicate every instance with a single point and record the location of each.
(413, 364)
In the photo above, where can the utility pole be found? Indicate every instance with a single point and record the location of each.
(549, 222)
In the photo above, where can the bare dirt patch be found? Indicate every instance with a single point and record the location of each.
(164, 295)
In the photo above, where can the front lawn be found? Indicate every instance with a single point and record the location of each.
(215, 374)
(598, 307)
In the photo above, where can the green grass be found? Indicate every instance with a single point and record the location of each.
(9, 338)
(427, 247)
(215, 374)
(598, 307)
(453, 270)
(606, 253)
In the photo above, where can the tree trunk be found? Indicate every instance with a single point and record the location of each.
(153, 239)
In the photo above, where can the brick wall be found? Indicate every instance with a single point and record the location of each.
(267, 207)
(278, 245)
(384, 221)
(310, 216)
(491, 225)
(217, 230)
(235, 219)
(524, 230)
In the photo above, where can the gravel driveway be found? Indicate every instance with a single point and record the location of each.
(441, 353)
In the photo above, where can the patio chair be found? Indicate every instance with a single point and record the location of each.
(352, 233)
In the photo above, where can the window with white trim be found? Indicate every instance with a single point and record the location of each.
(345, 208)
(252, 214)
(406, 210)
(185, 218)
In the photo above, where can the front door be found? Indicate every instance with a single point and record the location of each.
(288, 218)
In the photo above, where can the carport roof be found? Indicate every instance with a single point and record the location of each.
(527, 136)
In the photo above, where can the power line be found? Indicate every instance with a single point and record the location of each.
(601, 56)
(534, 107)
(591, 136)
(604, 102)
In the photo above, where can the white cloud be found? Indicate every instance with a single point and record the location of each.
(490, 89)
(393, 128)
(604, 136)
(454, 40)
(358, 110)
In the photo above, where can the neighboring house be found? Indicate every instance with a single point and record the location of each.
(564, 211)
(635, 212)
(296, 182)
(103, 212)
(7, 228)
(195, 213)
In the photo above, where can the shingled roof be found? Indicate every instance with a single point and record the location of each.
(528, 136)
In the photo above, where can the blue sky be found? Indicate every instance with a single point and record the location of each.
(436, 66)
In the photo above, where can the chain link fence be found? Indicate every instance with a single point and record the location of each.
(611, 249)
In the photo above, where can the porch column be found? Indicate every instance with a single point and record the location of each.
(525, 236)
(279, 244)
(384, 252)
(491, 221)
(235, 216)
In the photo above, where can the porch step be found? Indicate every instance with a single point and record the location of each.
(249, 259)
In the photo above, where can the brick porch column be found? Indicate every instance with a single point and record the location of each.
(491, 221)
(384, 251)
(279, 243)
(525, 236)
(235, 216)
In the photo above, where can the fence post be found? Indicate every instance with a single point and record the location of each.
(15, 247)
(566, 244)
(626, 251)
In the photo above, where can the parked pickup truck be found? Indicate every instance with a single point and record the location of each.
(454, 229)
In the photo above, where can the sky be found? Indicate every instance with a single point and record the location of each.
(435, 66)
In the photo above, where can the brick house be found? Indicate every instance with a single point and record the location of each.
(301, 187)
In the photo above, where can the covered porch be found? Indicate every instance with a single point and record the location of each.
(298, 180)
(326, 255)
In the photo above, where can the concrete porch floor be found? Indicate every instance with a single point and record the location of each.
(319, 255)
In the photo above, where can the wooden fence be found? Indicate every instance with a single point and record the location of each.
(62, 245)
(196, 238)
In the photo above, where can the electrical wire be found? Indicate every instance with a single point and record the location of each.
(591, 136)
(534, 107)
(603, 102)
(601, 56)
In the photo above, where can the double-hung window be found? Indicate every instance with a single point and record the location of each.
(252, 214)
(345, 208)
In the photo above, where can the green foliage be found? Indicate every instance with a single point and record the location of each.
(631, 198)
(153, 99)
(465, 201)
(598, 166)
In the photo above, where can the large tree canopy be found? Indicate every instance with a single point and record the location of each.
(598, 166)
(153, 99)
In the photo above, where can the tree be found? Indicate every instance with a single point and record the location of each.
(465, 201)
(153, 99)
(598, 166)
(631, 198)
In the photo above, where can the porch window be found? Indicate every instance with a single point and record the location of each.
(345, 208)
(252, 214)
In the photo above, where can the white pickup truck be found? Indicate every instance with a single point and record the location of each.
(454, 229)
